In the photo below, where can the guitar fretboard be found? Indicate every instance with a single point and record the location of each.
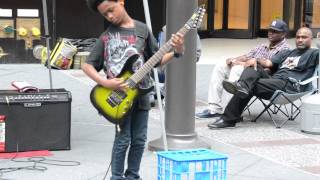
(137, 76)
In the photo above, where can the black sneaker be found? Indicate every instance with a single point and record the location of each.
(220, 123)
(207, 114)
(235, 88)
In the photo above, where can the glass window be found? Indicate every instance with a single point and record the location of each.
(307, 14)
(28, 13)
(316, 14)
(291, 14)
(205, 17)
(270, 10)
(238, 14)
(5, 12)
(218, 14)
(311, 14)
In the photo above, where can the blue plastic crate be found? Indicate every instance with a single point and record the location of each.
(195, 164)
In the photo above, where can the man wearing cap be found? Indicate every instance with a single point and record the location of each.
(233, 67)
(298, 64)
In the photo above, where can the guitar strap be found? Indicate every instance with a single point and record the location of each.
(141, 32)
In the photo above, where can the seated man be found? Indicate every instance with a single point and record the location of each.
(298, 63)
(233, 67)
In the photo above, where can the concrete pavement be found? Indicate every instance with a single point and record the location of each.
(255, 150)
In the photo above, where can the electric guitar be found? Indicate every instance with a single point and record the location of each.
(114, 105)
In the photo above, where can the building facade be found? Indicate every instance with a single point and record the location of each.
(251, 18)
(72, 19)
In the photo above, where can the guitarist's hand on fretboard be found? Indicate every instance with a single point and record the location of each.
(177, 41)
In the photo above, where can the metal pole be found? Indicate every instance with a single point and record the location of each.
(147, 14)
(46, 28)
(54, 25)
(155, 72)
(180, 84)
(318, 72)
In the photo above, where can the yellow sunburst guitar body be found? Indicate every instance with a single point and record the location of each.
(104, 99)
(114, 105)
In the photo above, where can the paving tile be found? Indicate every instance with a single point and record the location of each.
(278, 145)
(269, 170)
(311, 169)
(290, 142)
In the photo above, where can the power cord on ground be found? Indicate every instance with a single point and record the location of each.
(35, 166)
(107, 171)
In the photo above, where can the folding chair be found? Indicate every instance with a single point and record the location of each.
(279, 100)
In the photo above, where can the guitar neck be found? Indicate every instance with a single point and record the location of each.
(156, 58)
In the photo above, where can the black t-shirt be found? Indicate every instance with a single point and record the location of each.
(111, 47)
(108, 52)
(297, 64)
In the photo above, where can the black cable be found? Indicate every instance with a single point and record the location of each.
(107, 170)
(117, 129)
(34, 160)
(35, 166)
(43, 160)
(12, 169)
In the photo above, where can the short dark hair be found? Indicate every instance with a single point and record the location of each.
(93, 4)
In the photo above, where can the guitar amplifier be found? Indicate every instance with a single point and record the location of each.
(35, 120)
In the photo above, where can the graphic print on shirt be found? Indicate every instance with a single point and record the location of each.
(291, 62)
(118, 50)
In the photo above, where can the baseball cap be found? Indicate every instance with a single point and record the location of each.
(278, 25)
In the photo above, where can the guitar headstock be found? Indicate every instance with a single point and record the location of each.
(195, 21)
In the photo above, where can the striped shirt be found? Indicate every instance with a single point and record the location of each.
(264, 51)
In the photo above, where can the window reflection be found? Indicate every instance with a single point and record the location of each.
(218, 14)
(238, 14)
(291, 8)
(205, 17)
(316, 14)
(270, 10)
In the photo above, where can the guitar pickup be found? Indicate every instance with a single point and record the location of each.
(110, 102)
(122, 94)
(114, 99)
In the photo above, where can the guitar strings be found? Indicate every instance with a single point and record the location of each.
(158, 55)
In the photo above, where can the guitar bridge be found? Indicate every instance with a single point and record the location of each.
(122, 94)
(112, 104)
(116, 98)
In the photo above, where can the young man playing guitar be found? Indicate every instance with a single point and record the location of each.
(123, 38)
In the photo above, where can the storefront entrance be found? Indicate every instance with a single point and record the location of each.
(311, 15)
(251, 18)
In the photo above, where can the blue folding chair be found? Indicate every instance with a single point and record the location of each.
(280, 99)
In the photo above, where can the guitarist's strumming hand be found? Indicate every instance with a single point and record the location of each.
(115, 83)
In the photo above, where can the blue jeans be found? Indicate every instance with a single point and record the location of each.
(133, 133)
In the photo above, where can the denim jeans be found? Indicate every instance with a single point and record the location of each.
(133, 135)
